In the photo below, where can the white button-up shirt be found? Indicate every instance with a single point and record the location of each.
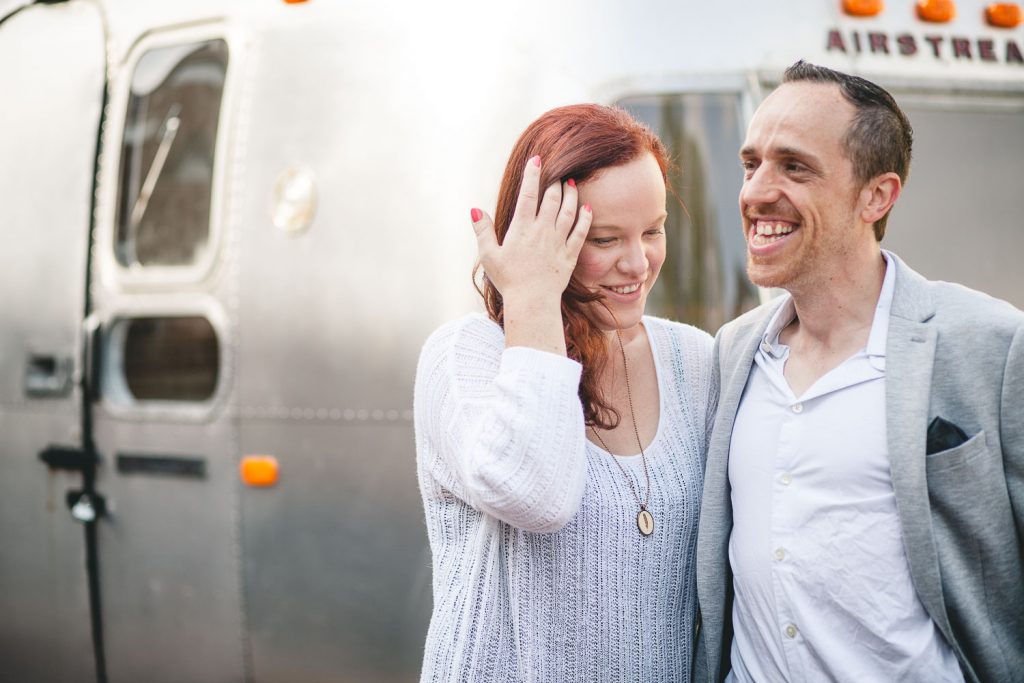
(822, 586)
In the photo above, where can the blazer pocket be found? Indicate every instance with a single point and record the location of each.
(968, 495)
(975, 541)
(958, 456)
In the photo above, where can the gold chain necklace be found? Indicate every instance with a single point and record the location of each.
(644, 518)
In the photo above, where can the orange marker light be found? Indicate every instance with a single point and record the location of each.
(293, 2)
(258, 470)
(863, 8)
(1003, 14)
(936, 11)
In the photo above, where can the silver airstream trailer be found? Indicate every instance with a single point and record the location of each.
(228, 227)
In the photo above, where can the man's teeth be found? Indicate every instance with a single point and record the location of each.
(628, 289)
(774, 228)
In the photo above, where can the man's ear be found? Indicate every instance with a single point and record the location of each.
(879, 195)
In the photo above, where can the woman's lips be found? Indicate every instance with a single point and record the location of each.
(625, 293)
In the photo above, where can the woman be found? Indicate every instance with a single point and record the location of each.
(560, 439)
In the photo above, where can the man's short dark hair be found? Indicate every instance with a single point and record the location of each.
(880, 137)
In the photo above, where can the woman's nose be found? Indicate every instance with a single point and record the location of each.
(633, 260)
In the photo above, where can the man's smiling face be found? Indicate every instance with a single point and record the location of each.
(799, 200)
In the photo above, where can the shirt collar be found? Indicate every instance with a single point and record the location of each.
(877, 338)
(880, 325)
(784, 316)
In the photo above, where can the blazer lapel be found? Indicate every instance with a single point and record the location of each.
(910, 354)
(736, 350)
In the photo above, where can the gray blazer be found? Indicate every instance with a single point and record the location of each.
(951, 352)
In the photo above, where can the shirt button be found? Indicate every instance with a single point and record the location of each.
(786, 479)
(780, 554)
(791, 631)
(798, 407)
(766, 347)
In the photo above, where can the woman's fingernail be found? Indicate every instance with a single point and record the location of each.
(476, 214)
(535, 160)
(586, 207)
(570, 182)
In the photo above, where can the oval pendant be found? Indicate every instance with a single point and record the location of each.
(645, 522)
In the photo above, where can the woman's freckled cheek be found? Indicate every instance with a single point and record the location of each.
(588, 260)
(588, 270)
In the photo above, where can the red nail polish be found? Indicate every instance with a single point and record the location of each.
(476, 214)
(586, 207)
(570, 182)
(535, 160)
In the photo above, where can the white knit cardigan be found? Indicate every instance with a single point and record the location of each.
(540, 572)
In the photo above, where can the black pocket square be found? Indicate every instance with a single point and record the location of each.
(943, 435)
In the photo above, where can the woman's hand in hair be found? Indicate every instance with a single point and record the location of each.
(532, 266)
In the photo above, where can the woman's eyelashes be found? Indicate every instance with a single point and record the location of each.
(606, 240)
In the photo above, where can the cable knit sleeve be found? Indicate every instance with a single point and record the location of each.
(501, 429)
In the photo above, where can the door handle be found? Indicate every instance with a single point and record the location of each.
(67, 458)
(85, 506)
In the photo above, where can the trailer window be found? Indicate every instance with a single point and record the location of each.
(162, 359)
(704, 280)
(167, 156)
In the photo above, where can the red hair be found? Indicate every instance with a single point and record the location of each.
(578, 142)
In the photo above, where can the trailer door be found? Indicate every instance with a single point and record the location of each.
(163, 426)
(52, 78)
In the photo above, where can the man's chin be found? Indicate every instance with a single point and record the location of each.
(766, 276)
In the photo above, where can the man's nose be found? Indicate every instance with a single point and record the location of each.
(760, 187)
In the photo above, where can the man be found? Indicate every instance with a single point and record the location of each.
(864, 497)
